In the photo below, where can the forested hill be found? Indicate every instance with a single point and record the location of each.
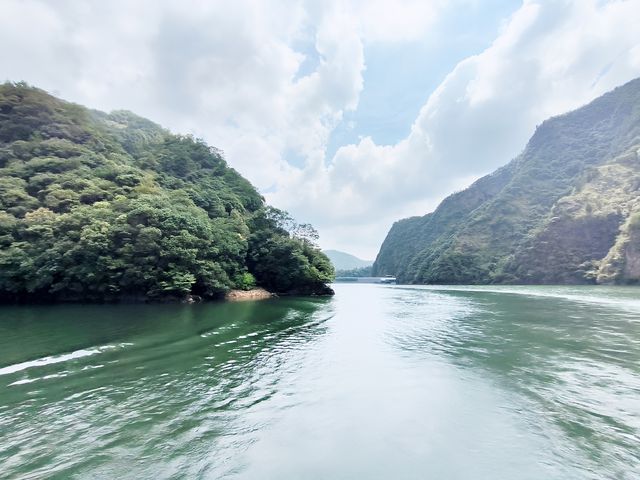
(102, 207)
(566, 210)
(346, 261)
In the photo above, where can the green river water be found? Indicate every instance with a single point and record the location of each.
(378, 382)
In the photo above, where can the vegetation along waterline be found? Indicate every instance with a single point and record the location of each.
(112, 207)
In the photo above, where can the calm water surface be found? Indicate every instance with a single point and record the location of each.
(379, 382)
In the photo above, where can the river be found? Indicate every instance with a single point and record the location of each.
(378, 382)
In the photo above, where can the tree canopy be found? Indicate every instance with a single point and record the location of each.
(101, 207)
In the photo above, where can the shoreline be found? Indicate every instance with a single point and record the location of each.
(245, 295)
(233, 295)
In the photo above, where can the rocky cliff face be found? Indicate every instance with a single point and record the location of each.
(631, 264)
(561, 212)
(622, 262)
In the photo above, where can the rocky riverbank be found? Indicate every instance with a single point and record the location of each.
(253, 294)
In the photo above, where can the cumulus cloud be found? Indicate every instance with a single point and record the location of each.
(229, 72)
(550, 57)
(270, 81)
(225, 71)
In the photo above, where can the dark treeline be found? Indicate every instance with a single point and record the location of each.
(355, 272)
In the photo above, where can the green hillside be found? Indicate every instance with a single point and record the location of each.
(345, 261)
(566, 210)
(103, 207)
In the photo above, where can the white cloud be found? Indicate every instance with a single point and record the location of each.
(551, 57)
(398, 21)
(230, 73)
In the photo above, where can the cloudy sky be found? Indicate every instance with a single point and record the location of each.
(349, 114)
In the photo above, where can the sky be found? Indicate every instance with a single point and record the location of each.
(348, 114)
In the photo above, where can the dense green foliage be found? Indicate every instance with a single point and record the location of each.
(99, 207)
(355, 272)
(283, 257)
(558, 213)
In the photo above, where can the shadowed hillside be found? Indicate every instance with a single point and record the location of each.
(566, 210)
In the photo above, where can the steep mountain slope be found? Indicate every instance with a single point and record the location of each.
(97, 206)
(561, 212)
(345, 261)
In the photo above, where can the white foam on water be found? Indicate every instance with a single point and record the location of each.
(92, 367)
(23, 381)
(31, 380)
(65, 357)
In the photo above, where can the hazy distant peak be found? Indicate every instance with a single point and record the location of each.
(346, 261)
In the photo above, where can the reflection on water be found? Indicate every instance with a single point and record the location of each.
(378, 382)
(571, 354)
(166, 400)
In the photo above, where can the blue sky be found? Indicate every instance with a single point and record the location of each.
(350, 114)
(398, 81)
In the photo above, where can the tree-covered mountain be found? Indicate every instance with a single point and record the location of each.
(101, 207)
(346, 261)
(566, 210)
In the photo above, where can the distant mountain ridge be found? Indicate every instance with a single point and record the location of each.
(346, 261)
(566, 210)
